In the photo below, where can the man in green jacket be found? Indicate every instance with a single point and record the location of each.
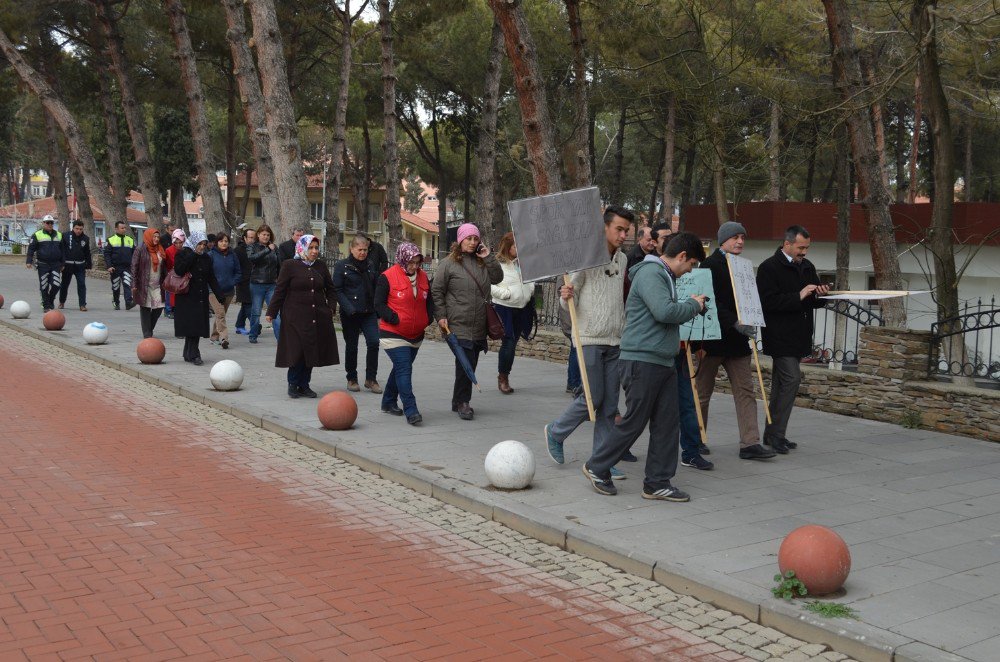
(646, 365)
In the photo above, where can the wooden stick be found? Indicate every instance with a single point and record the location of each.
(575, 332)
(697, 401)
(753, 343)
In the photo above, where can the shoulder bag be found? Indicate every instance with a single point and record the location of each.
(494, 325)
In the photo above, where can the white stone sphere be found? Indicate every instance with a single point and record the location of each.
(95, 333)
(226, 375)
(20, 310)
(510, 465)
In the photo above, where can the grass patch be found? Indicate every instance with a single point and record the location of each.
(831, 609)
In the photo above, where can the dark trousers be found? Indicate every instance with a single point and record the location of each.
(463, 385)
(191, 351)
(650, 397)
(69, 271)
(508, 349)
(400, 382)
(121, 278)
(49, 281)
(354, 326)
(300, 375)
(147, 319)
(573, 377)
(243, 315)
(690, 433)
(786, 373)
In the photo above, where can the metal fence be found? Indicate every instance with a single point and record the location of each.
(836, 330)
(968, 345)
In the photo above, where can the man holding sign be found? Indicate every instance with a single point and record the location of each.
(789, 292)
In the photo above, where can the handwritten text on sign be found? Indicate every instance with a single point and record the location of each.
(702, 327)
(559, 233)
(748, 305)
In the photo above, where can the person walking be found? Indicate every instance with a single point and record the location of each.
(354, 278)
(645, 244)
(148, 271)
(377, 255)
(166, 234)
(177, 239)
(191, 310)
(405, 308)
(243, 295)
(286, 251)
(265, 262)
(306, 300)
(789, 291)
(461, 292)
(118, 251)
(226, 266)
(47, 248)
(514, 303)
(76, 248)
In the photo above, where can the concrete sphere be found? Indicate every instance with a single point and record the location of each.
(337, 410)
(20, 310)
(95, 333)
(53, 320)
(226, 375)
(150, 350)
(1, 301)
(510, 465)
(818, 556)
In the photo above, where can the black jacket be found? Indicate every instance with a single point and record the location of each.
(265, 263)
(46, 247)
(77, 250)
(243, 287)
(191, 309)
(355, 284)
(377, 256)
(635, 256)
(118, 251)
(286, 250)
(733, 342)
(789, 329)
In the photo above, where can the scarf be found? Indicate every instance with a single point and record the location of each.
(302, 246)
(153, 246)
(196, 238)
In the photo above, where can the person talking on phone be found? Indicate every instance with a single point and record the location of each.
(461, 291)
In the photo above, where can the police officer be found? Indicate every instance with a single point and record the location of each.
(118, 259)
(76, 247)
(47, 244)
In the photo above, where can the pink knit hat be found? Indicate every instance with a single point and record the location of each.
(467, 230)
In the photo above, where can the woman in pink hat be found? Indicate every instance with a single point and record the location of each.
(461, 291)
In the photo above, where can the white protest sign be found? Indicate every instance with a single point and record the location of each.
(702, 327)
(748, 307)
(558, 233)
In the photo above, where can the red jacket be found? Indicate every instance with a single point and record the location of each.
(412, 311)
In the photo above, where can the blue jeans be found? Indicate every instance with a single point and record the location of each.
(507, 350)
(400, 382)
(690, 433)
(573, 378)
(261, 294)
(300, 375)
(241, 317)
(355, 325)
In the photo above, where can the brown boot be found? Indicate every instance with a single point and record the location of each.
(503, 383)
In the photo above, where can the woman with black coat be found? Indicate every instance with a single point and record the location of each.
(191, 310)
(354, 278)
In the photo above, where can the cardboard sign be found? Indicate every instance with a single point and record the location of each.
(559, 233)
(702, 327)
(748, 307)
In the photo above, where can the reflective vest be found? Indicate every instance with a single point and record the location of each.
(412, 310)
(41, 235)
(115, 241)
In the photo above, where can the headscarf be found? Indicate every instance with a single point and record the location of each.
(178, 234)
(302, 246)
(153, 246)
(406, 252)
(196, 238)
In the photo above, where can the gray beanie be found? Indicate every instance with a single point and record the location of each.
(730, 229)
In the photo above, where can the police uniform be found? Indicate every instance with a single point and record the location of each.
(118, 251)
(78, 259)
(47, 247)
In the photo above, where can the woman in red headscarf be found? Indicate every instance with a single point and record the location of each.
(148, 271)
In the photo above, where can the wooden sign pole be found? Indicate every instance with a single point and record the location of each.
(697, 400)
(753, 344)
(575, 332)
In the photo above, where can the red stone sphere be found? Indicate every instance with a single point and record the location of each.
(337, 410)
(150, 350)
(53, 320)
(818, 556)
(1, 301)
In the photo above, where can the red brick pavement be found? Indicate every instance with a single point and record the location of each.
(127, 536)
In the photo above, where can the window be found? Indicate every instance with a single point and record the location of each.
(316, 211)
(258, 209)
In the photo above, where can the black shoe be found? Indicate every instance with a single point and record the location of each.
(307, 392)
(455, 406)
(393, 409)
(668, 493)
(791, 444)
(197, 360)
(629, 457)
(465, 412)
(415, 419)
(698, 462)
(703, 449)
(605, 487)
(778, 445)
(293, 391)
(225, 344)
(756, 452)
(117, 306)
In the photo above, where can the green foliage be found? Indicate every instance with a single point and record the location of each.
(413, 198)
(831, 609)
(173, 150)
(910, 420)
(16, 249)
(789, 586)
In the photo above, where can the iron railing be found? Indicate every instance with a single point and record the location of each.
(837, 329)
(967, 345)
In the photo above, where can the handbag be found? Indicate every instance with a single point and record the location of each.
(494, 325)
(177, 284)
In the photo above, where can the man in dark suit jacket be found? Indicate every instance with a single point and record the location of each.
(789, 290)
(732, 352)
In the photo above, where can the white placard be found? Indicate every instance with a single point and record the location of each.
(748, 307)
(702, 327)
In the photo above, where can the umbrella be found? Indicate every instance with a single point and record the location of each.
(459, 353)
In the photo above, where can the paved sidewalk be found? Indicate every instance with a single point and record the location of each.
(920, 510)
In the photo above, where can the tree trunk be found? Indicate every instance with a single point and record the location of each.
(75, 138)
(211, 194)
(279, 115)
(57, 172)
(875, 196)
(918, 105)
(231, 147)
(394, 225)
(115, 168)
(807, 194)
(581, 110)
(900, 153)
(657, 178)
(246, 191)
(878, 124)
(843, 259)
(967, 170)
(486, 155)
(176, 210)
(134, 116)
(774, 153)
(718, 167)
(616, 182)
(252, 101)
(83, 203)
(535, 121)
(670, 138)
(336, 165)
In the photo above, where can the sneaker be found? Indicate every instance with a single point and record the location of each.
(668, 493)
(118, 306)
(756, 452)
(617, 474)
(293, 391)
(778, 445)
(372, 385)
(629, 457)
(555, 447)
(392, 409)
(602, 486)
(241, 332)
(415, 419)
(353, 386)
(170, 315)
(698, 462)
(225, 344)
(307, 392)
(703, 449)
(253, 340)
(214, 341)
